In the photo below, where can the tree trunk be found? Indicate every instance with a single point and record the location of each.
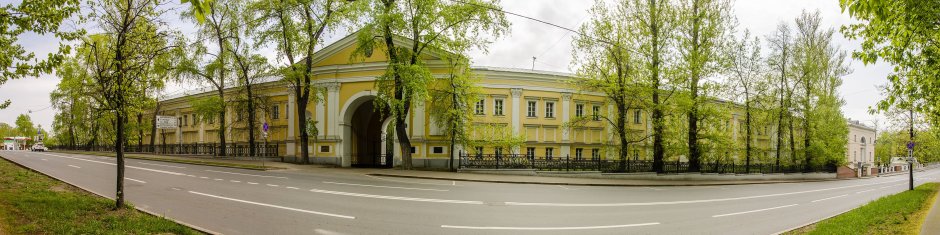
(747, 135)
(222, 125)
(140, 129)
(153, 129)
(251, 119)
(622, 132)
(119, 152)
(658, 125)
(693, 115)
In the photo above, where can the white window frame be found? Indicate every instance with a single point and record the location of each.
(579, 110)
(480, 107)
(549, 153)
(532, 108)
(549, 109)
(498, 107)
(596, 109)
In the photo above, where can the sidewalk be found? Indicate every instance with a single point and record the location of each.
(275, 165)
(931, 224)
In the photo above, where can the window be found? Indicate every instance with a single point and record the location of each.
(530, 152)
(498, 151)
(287, 111)
(438, 149)
(179, 121)
(596, 111)
(548, 153)
(185, 120)
(578, 153)
(195, 120)
(636, 116)
(579, 110)
(479, 151)
(479, 108)
(549, 109)
(855, 137)
(324, 148)
(275, 114)
(414, 150)
(636, 155)
(595, 154)
(498, 107)
(531, 109)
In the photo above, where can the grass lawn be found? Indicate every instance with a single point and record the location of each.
(901, 213)
(32, 203)
(184, 161)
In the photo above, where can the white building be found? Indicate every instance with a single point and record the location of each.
(15, 143)
(860, 150)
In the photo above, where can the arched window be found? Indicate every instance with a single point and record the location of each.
(863, 139)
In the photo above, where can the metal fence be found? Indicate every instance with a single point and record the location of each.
(233, 150)
(521, 161)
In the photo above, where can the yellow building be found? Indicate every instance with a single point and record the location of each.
(532, 104)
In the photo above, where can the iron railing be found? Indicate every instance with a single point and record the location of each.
(233, 150)
(521, 161)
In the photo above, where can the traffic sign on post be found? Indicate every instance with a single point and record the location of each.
(265, 127)
(910, 145)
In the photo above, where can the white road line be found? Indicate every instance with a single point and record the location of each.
(108, 163)
(379, 186)
(409, 182)
(293, 188)
(745, 212)
(396, 198)
(45, 159)
(251, 183)
(225, 172)
(657, 189)
(217, 179)
(843, 195)
(74, 166)
(548, 228)
(566, 188)
(275, 206)
(191, 175)
(866, 191)
(273, 185)
(203, 177)
(154, 164)
(138, 181)
(235, 181)
(682, 202)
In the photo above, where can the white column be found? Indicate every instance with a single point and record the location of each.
(333, 108)
(516, 113)
(179, 129)
(565, 140)
(419, 121)
(202, 132)
(291, 147)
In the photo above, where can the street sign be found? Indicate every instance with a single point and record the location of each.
(265, 127)
(910, 145)
(167, 122)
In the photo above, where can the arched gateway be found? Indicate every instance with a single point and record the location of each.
(363, 127)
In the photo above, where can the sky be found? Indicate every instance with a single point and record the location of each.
(550, 45)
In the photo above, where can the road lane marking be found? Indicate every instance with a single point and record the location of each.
(203, 177)
(683, 202)
(866, 191)
(379, 186)
(108, 163)
(251, 183)
(745, 212)
(234, 173)
(275, 206)
(217, 179)
(566, 188)
(138, 181)
(656, 189)
(549, 228)
(843, 195)
(293, 187)
(75, 166)
(273, 185)
(396, 197)
(235, 181)
(409, 182)
(45, 159)
(154, 164)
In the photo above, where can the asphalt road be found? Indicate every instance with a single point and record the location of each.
(234, 201)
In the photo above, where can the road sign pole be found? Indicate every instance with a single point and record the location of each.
(910, 165)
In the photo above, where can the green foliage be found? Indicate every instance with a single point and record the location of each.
(893, 143)
(902, 33)
(6, 130)
(34, 16)
(494, 135)
(207, 108)
(453, 98)
(24, 126)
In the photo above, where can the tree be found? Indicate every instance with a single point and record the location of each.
(24, 126)
(703, 29)
(296, 27)
(902, 33)
(453, 97)
(428, 25)
(6, 130)
(653, 30)
(819, 68)
(249, 66)
(124, 59)
(780, 62)
(605, 62)
(215, 22)
(748, 81)
(34, 16)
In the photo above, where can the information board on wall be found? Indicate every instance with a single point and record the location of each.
(167, 122)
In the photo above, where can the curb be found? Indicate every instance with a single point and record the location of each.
(592, 184)
(194, 227)
(170, 161)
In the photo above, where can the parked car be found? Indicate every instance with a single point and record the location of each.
(38, 147)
